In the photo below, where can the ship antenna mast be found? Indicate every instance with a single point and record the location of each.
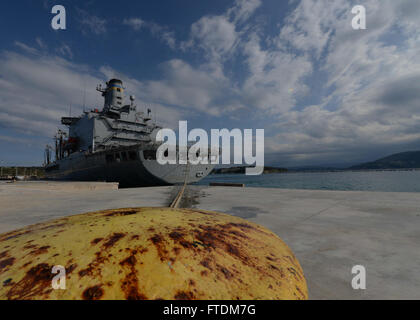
(84, 99)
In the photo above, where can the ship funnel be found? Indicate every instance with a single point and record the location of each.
(114, 95)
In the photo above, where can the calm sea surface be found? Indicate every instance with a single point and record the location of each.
(392, 181)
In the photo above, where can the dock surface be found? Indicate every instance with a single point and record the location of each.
(329, 231)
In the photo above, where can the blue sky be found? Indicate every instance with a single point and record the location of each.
(324, 93)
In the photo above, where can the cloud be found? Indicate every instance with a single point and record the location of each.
(41, 43)
(218, 35)
(274, 77)
(367, 102)
(161, 32)
(135, 23)
(371, 105)
(242, 10)
(207, 88)
(38, 90)
(65, 51)
(15, 140)
(26, 48)
(214, 34)
(91, 23)
(186, 87)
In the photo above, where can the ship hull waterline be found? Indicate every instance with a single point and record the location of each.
(130, 169)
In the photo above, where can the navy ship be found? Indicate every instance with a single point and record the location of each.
(115, 144)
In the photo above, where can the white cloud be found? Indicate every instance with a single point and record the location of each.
(275, 76)
(38, 90)
(26, 48)
(161, 32)
(242, 10)
(15, 140)
(372, 103)
(135, 23)
(358, 67)
(186, 87)
(65, 51)
(215, 34)
(219, 35)
(41, 43)
(91, 23)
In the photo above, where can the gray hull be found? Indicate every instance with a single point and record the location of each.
(127, 166)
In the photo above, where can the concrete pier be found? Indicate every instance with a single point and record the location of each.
(62, 186)
(332, 231)
(24, 204)
(329, 231)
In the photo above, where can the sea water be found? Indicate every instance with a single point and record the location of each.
(391, 181)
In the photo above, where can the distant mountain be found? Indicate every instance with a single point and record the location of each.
(404, 160)
(314, 169)
(241, 170)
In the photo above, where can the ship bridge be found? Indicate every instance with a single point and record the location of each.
(117, 125)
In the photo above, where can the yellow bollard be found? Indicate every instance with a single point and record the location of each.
(149, 253)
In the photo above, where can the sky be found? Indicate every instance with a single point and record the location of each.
(325, 94)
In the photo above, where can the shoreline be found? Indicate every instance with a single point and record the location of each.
(325, 171)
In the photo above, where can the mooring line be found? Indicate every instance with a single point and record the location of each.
(175, 203)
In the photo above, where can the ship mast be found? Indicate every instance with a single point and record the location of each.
(59, 140)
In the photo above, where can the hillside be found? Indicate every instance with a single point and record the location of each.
(404, 160)
(241, 170)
